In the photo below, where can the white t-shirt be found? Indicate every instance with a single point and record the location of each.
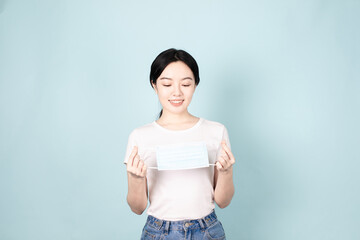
(179, 194)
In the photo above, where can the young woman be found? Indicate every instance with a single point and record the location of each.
(181, 201)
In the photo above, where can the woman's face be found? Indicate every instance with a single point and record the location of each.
(175, 87)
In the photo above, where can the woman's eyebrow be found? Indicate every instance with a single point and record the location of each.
(166, 78)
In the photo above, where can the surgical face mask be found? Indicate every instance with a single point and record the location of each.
(182, 156)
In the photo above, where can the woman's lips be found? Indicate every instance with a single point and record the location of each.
(176, 103)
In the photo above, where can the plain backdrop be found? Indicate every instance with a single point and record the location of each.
(283, 76)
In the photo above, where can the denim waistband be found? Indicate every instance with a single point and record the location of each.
(183, 224)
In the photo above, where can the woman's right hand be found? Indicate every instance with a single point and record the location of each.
(135, 166)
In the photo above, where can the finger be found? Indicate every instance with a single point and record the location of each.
(218, 165)
(225, 164)
(143, 170)
(223, 145)
(228, 151)
(138, 172)
(224, 154)
(132, 155)
(136, 161)
(140, 166)
(230, 161)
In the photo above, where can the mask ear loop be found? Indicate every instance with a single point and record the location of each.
(152, 168)
(210, 164)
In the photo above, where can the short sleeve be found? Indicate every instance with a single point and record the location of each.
(132, 141)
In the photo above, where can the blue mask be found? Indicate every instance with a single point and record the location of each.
(182, 156)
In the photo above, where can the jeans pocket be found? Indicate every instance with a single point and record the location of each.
(147, 236)
(215, 232)
(150, 233)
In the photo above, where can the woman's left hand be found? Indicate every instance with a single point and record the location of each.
(226, 159)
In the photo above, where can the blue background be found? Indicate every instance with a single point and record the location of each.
(283, 76)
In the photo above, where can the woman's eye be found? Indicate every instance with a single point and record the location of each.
(166, 85)
(186, 85)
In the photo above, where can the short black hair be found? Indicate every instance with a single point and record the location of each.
(172, 55)
(168, 56)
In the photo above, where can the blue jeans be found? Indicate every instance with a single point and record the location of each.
(207, 228)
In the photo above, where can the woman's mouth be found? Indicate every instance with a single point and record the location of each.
(176, 103)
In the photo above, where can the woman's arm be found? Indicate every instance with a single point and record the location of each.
(223, 177)
(137, 197)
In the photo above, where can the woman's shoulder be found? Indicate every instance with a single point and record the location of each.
(143, 129)
(212, 124)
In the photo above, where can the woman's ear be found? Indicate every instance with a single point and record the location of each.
(154, 86)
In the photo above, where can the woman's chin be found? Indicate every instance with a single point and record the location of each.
(177, 111)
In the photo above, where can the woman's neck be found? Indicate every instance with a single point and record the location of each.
(177, 121)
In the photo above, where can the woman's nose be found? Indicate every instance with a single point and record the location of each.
(177, 91)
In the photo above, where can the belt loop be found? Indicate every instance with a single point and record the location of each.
(214, 214)
(157, 223)
(160, 225)
(206, 219)
(167, 226)
(201, 221)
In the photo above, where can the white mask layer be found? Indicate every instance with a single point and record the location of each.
(182, 156)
